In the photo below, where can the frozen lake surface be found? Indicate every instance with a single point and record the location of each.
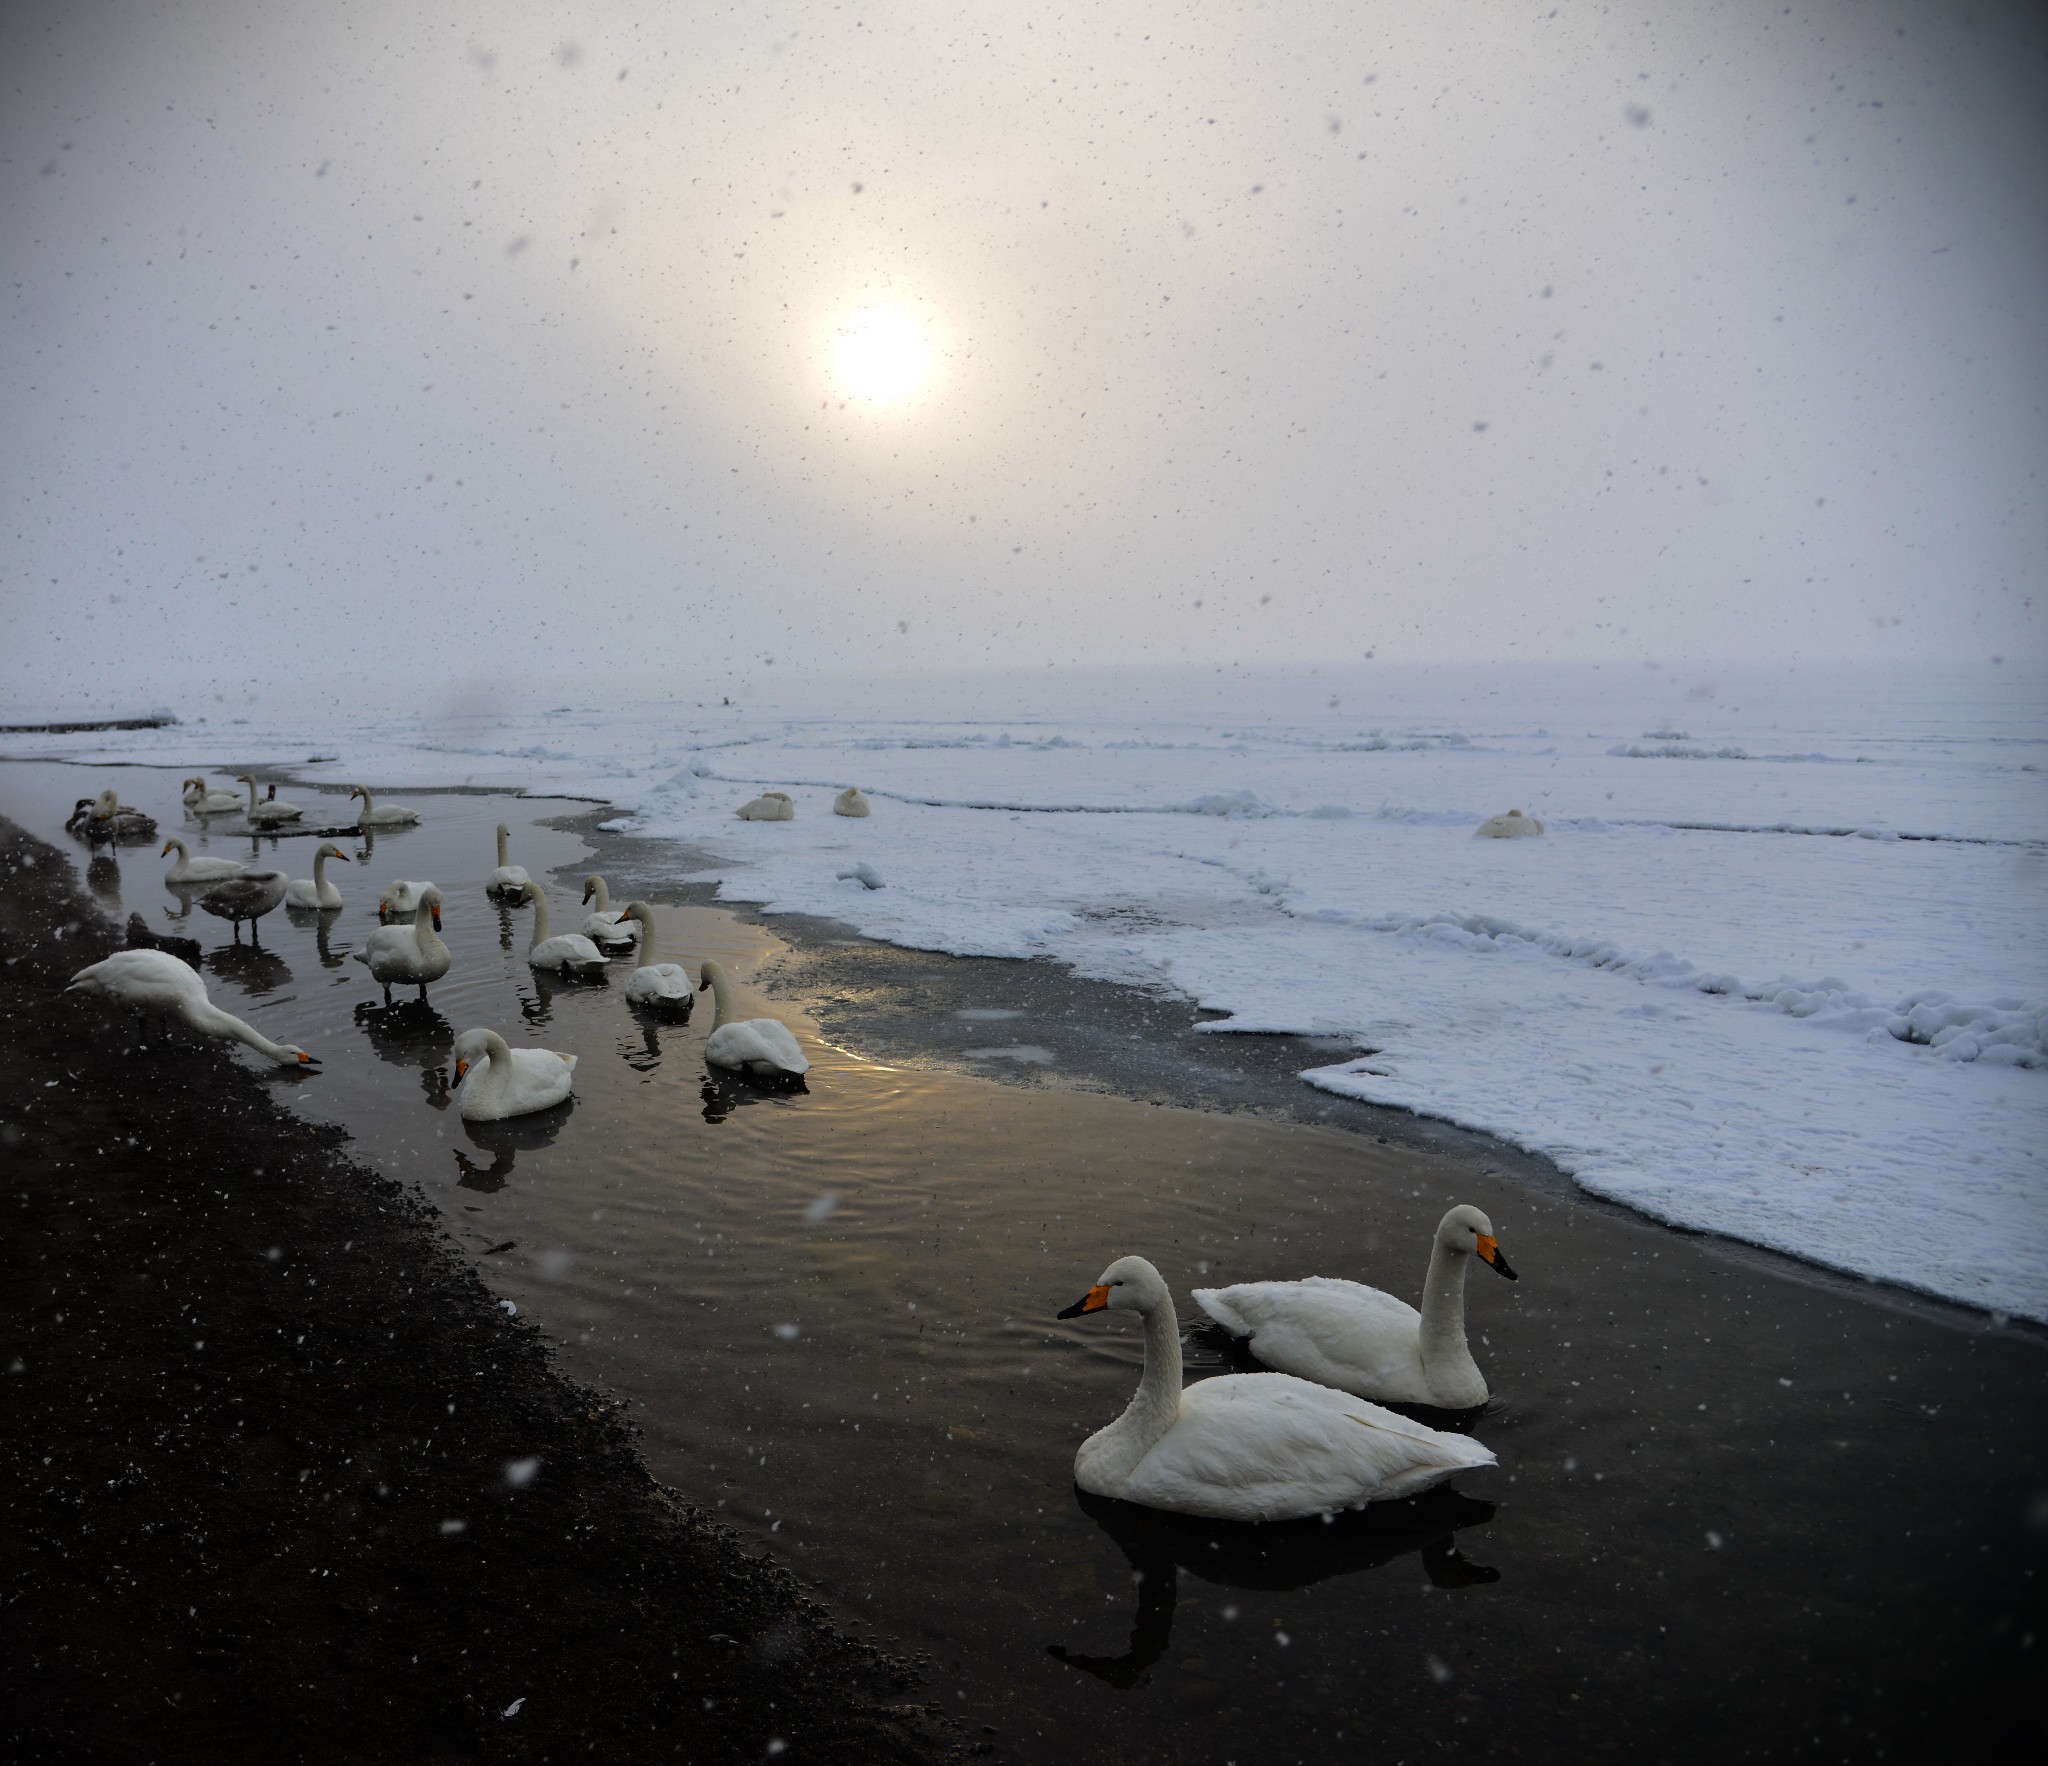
(1778, 968)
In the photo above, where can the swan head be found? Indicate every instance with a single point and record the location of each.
(713, 973)
(1130, 1284)
(637, 910)
(1465, 1229)
(430, 899)
(591, 885)
(330, 850)
(471, 1047)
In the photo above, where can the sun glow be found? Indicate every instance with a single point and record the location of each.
(881, 354)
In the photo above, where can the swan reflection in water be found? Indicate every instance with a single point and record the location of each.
(249, 966)
(505, 1141)
(409, 1034)
(103, 878)
(647, 1057)
(538, 1007)
(1275, 1554)
(726, 1091)
(322, 920)
(504, 925)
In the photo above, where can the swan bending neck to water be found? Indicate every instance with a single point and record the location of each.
(663, 986)
(1361, 1340)
(154, 981)
(1248, 1447)
(319, 893)
(508, 879)
(392, 815)
(569, 953)
(498, 1080)
(763, 1047)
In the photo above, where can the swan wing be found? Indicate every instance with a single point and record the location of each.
(761, 1045)
(152, 980)
(566, 950)
(1268, 1447)
(660, 984)
(541, 1079)
(1335, 1332)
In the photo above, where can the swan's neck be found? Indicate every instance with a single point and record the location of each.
(320, 871)
(600, 897)
(252, 797)
(721, 996)
(423, 931)
(540, 922)
(178, 846)
(647, 957)
(498, 1074)
(204, 1015)
(363, 814)
(503, 846)
(1443, 1314)
(1155, 1407)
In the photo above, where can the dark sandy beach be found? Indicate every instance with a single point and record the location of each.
(283, 1481)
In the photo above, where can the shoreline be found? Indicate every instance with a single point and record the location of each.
(285, 1477)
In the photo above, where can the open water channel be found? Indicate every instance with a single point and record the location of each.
(1736, 1515)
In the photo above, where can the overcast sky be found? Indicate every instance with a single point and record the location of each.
(402, 341)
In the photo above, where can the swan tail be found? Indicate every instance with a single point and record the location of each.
(1212, 1301)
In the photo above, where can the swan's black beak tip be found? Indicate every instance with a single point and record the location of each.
(1503, 1267)
(1074, 1311)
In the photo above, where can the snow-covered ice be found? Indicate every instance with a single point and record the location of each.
(1777, 969)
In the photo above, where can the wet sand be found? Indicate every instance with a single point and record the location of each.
(283, 1479)
(1743, 1510)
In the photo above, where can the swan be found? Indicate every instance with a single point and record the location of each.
(400, 898)
(155, 981)
(203, 800)
(269, 813)
(508, 878)
(196, 870)
(499, 1081)
(569, 954)
(851, 802)
(1509, 826)
(318, 893)
(1248, 1447)
(1361, 1340)
(763, 1047)
(605, 924)
(770, 806)
(410, 955)
(106, 817)
(663, 986)
(248, 896)
(392, 815)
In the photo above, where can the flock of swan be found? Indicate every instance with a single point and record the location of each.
(1311, 1436)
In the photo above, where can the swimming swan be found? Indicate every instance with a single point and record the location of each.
(318, 893)
(1361, 1340)
(569, 954)
(665, 987)
(851, 802)
(508, 879)
(247, 896)
(270, 813)
(203, 800)
(189, 870)
(499, 1081)
(763, 1047)
(605, 924)
(155, 981)
(410, 955)
(392, 815)
(400, 899)
(770, 806)
(1248, 1447)
(1509, 826)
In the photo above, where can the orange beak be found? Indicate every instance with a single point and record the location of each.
(167, 848)
(1489, 1252)
(461, 1067)
(1094, 1300)
(436, 910)
(305, 1060)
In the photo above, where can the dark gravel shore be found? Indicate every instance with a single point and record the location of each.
(279, 1479)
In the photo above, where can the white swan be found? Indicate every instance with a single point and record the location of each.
(392, 815)
(155, 981)
(1509, 826)
(203, 800)
(1248, 1447)
(770, 806)
(498, 1080)
(106, 817)
(851, 802)
(410, 955)
(665, 987)
(570, 953)
(318, 893)
(1361, 1340)
(763, 1047)
(400, 898)
(508, 878)
(248, 896)
(605, 924)
(196, 870)
(270, 813)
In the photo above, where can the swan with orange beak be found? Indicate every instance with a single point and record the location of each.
(1359, 1339)
(1248, 1447)
(409, 955)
